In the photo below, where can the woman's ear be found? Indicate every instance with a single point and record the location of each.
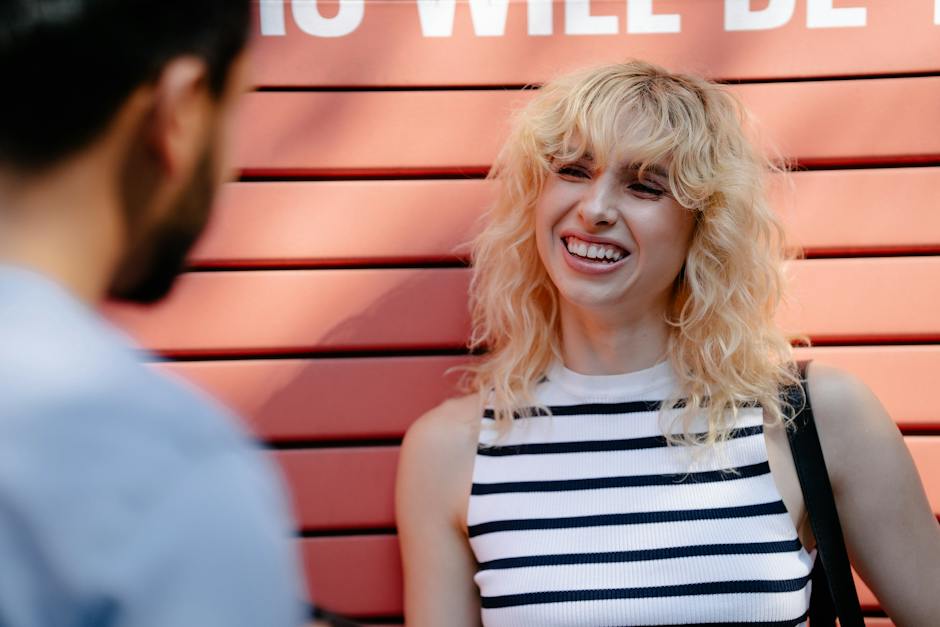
(181, 117)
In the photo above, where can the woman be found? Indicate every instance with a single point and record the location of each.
(631, 258)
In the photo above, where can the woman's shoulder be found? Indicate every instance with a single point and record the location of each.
(851, 421)
(840, 398)
(449, 424)
(435, 467)
(445, 434)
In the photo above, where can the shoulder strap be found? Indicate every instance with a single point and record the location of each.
(833, 591)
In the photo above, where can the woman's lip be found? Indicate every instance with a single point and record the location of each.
(590, 267)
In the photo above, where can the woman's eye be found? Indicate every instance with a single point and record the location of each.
(642, 188)
(573, 171)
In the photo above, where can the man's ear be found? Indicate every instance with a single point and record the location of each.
(182, 111)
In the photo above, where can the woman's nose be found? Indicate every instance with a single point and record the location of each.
(597, 208)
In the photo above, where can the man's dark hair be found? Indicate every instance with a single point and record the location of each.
(67, 66)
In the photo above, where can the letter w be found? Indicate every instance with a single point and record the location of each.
(437, 17)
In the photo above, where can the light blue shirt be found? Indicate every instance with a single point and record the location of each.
(126, 498)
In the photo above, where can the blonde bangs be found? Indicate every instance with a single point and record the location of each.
(725, 347)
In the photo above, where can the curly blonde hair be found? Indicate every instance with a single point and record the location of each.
(724, 346)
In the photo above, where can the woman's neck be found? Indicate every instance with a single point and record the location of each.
(593, 343)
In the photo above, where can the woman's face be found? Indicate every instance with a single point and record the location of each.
(610, 240)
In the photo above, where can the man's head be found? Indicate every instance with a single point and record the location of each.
(154, 80)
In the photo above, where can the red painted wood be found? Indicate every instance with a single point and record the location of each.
(868, 300)
(353, 487)
(389, 46)
(378, 397)
(868, 210)
(327, 399)
(354, 575)
(401, 132)
(343, 488)
(302, 310)
(343, 222)
(388, 222)
(217, 313)
(367, 133)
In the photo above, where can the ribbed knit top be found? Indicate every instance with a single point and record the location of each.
(586, 517)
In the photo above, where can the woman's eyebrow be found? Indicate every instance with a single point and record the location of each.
(585, 159)
(585, 156)
(650, 168)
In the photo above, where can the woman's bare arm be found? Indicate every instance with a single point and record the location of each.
(891, 533)
(434, 477)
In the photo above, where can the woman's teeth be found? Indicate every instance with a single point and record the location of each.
(597, 252)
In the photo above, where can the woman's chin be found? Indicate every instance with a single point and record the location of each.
(592, 299)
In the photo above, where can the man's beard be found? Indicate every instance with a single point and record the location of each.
(155, 257)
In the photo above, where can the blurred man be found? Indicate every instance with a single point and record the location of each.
(125, 498)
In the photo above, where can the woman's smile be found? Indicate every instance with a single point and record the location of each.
(588, 257)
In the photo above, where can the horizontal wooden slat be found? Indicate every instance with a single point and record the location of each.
(354, 575)
(867, 210)
(345, 133)
(342, 488)
(361, 576)
(343, 222)
(378, 397)
(353, 488)
(865, 300)
(388, 222)
(327, 399)
(870, 300)
(304, 310)
(389, 46)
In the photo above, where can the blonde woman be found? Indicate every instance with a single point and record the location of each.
(631, 261)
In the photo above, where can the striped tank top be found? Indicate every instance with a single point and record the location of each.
(586, 517)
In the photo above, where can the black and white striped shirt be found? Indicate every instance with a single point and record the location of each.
(586, 517)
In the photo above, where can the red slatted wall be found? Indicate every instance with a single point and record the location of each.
(328, 299)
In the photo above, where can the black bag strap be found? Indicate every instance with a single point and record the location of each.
(833, 589)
